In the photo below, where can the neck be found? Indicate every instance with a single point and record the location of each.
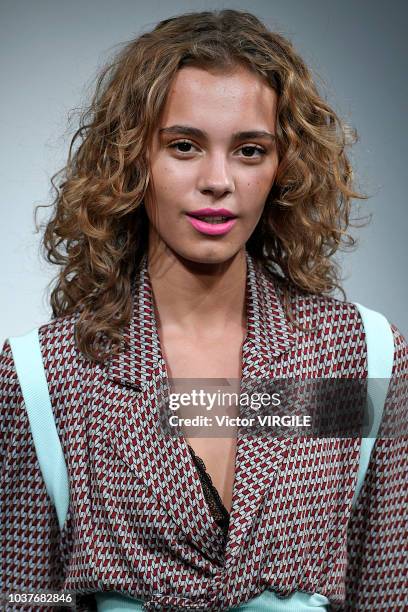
(198, 299)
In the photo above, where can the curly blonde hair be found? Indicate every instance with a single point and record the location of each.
(98, 229)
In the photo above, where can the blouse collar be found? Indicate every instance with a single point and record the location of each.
(269, 332)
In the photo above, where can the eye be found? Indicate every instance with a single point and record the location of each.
(181, 143)
(252, 148)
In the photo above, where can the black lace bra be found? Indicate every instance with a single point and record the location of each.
(212, 497)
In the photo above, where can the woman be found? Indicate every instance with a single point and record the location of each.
(194, 226)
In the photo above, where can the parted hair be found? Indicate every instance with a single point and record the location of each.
(97, 232)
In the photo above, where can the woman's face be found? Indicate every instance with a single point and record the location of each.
(213, 149)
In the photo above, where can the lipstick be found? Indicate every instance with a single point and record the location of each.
(211, 221)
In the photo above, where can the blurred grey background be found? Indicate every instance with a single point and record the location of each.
(51, 51)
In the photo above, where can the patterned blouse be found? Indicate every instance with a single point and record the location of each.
(139, 525)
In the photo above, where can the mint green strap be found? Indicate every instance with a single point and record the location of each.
(111, 601)
(31, 375)
(298, 601)
(380, 358)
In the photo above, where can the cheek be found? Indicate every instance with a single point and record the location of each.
(261, 182)
(171, 182)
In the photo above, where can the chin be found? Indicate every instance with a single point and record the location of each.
(213, 254)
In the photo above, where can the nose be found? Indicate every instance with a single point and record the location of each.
(215, 177)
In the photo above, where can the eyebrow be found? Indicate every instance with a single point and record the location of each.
(188, 130)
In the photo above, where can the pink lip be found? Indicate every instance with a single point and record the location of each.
(211, 229)
(212, 212)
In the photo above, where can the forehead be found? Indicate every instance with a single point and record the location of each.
(239, 98)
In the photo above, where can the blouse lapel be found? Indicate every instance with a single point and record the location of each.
(265, 355)
(163, 462)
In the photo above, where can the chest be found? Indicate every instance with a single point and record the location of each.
(198, 358)
(191, 362)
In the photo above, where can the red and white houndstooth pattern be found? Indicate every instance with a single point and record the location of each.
(138, 522)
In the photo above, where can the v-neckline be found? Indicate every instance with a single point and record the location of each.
(245, 350)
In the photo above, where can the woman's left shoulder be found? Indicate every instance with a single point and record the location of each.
(336, 321)
(318, 310)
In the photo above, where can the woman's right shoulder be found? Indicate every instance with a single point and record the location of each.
(61, 357)
(55, 333)
(67, 373)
